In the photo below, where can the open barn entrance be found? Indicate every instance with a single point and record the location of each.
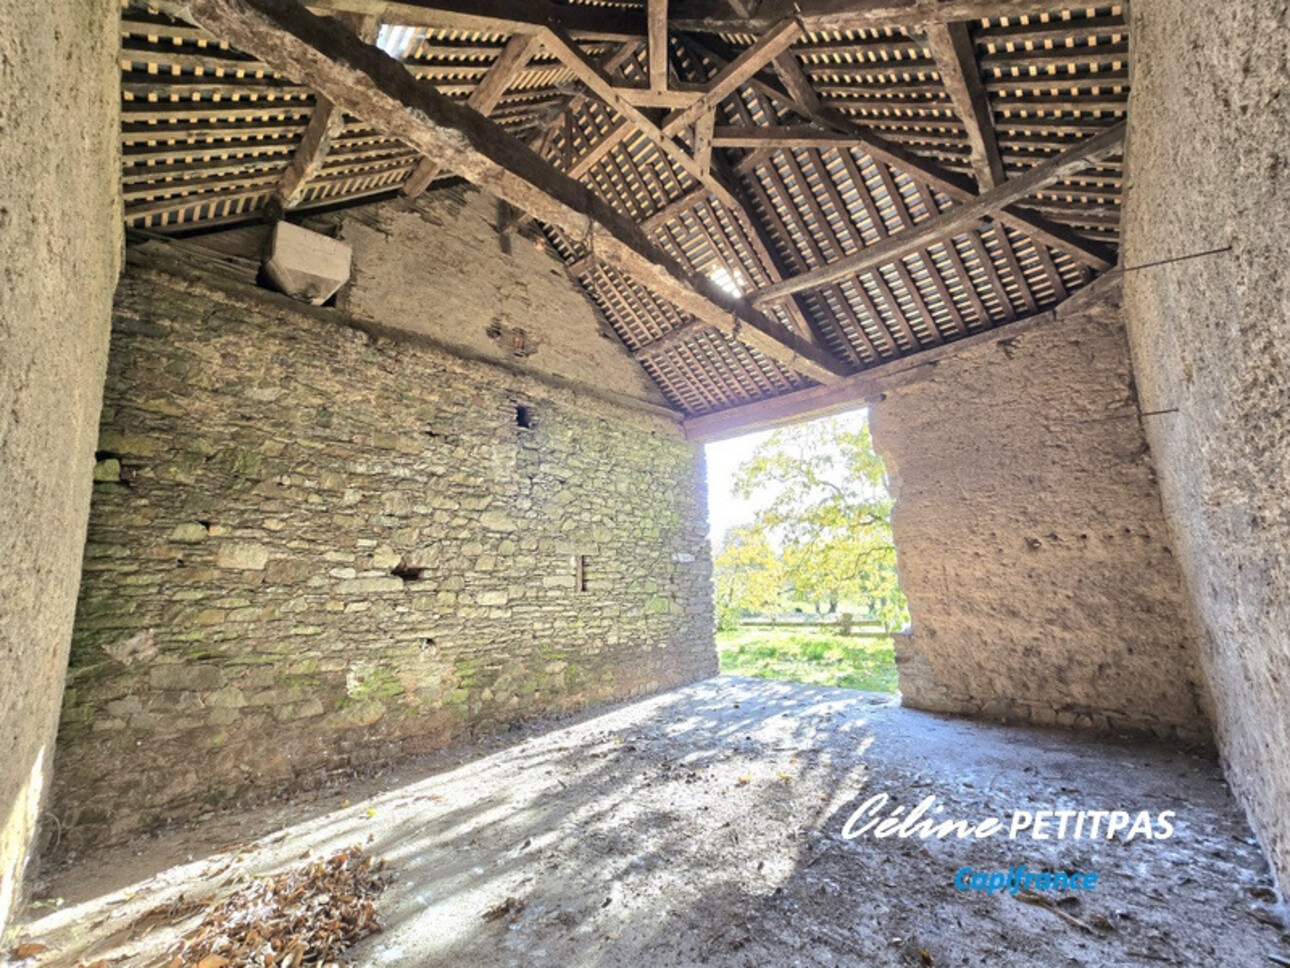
(804, 562)
(357, 362)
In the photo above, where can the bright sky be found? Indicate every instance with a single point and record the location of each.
(724, 509)
(724, 457)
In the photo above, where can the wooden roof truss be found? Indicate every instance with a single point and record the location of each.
(758, 201)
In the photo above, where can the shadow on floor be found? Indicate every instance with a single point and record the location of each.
(703, 827)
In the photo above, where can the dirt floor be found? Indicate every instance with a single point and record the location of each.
(703, 827)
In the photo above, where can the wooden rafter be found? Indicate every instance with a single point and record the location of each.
(779, 136)
(608, 22)
(951, 45)
(369, 85)
(601, 149)
(656, 14)
(325, 124)
(562, 46)
(483, 99)
(819, 176)
(883, 149)
(816, 16)
(770, 45)
(955, 220)
(872, 384)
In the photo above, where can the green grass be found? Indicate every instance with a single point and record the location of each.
(812, 657)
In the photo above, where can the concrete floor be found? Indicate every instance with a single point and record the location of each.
(702, 827)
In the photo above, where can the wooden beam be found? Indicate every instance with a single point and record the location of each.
(656, 17)
(325, 125)
(514, 56)
(671, 99)
(607, 22)
(953, 221)
(867, 140)
(770, 45)
(703, 139)
(561, 46)
(713, 16)
(589, 22)
(871, 385)
(363, 81)
(777, 136)
(951, 45)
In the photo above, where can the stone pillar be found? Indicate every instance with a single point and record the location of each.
(60, 239)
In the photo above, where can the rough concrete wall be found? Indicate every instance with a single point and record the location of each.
(59, 245)
(1031, 540)
(313, 548)
(1209, 145)
(435, 266)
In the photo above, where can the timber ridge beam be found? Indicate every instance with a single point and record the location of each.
(328, 58)
(871, 385)
(690, 16)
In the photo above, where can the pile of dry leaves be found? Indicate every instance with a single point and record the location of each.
(306, 916)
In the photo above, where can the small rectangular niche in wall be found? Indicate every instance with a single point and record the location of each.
(580, 572)
(524, 416)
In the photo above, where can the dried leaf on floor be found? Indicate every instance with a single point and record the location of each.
(308, 915)
(511, 907)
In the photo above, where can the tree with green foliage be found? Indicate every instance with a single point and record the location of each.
(749, 576)
(828, 512)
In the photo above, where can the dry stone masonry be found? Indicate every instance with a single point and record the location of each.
(1032, 546)
(312, 548)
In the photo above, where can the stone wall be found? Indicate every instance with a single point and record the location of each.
(59, 248)
(311, 548)
(442, 249)
(1031, 542)
(1209, 145)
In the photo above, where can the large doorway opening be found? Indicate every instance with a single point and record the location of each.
(805, 567)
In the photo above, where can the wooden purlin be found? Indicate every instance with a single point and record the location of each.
(956, 219)
(938, 294)
(484, 98)
(952, 46)
(207, 127)
(639, 318)
(368, 84)
(711, 182)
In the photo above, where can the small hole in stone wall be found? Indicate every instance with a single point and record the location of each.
(523, 416)
(408, 572)
(580, 567)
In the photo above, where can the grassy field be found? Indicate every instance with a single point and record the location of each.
(809, 656)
